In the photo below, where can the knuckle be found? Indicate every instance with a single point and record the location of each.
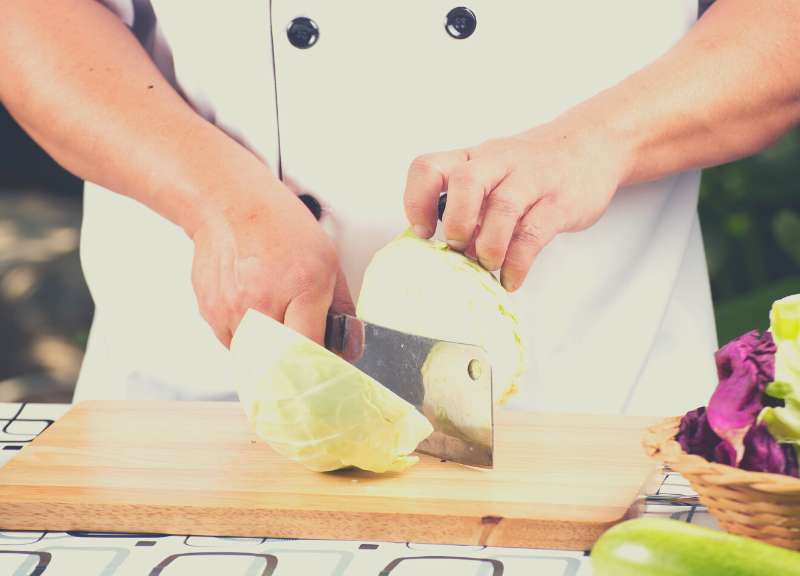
(491, 257)
(311, 275)
(463, 178)
(530, 233)
(423, 164)
(457, 230)
(506, 203)
(304, 276)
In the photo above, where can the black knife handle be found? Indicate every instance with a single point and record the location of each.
(441, 205)
(344, 336)
(312, 204)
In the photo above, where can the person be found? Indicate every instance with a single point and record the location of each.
(568, 136)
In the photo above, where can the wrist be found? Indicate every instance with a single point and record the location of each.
(221, 183)
(607, 133)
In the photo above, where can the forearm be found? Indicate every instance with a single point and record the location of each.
(730, 88)
(78, 82)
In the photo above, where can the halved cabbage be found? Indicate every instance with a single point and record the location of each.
(317, 409)
(423, 287)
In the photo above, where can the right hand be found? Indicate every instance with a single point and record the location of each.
(267, 252)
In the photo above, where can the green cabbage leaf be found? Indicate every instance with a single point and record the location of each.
(317, 409)
(783, 422)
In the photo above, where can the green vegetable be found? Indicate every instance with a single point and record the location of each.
(422, 287)
(785, 325)
(660, 547)
(784, 422)
(317, 409)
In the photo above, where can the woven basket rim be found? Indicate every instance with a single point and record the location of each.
(660, 444)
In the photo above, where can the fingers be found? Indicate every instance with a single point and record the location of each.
(307, 314)
(468, 185)
(505, 206)
(532, 233)
(209, 296)
(427, 178)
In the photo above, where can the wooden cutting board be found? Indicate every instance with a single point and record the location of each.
(195, 468)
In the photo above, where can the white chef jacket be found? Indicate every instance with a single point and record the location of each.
(616, 318)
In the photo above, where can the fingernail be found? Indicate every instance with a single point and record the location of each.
(491, 267)
(421, 231)
(508, 283)
(457, 245)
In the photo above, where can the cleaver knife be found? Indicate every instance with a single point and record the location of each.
(449, 382)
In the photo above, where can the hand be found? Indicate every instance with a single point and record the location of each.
(267, 252)
(507, 198)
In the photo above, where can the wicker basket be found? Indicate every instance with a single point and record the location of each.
(762, 506)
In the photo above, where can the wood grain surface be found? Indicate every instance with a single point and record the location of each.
(195, 468)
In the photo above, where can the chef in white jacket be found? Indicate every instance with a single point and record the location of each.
(568, 136)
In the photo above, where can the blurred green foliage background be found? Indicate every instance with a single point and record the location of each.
(750, 214)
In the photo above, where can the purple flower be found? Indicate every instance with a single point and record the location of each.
(792, 466)
(725, 453)
(744, 366)
(695, 435)
(762, 453)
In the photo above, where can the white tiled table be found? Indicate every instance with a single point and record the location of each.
(107, 554)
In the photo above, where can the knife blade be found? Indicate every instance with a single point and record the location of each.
(449, 382)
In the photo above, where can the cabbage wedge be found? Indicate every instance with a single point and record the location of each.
(317, 409)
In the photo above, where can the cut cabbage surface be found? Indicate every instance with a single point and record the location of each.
(423, 287)
(317, 409)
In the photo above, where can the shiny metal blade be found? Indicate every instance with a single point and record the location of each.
(450, 383)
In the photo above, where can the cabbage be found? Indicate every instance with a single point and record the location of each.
(785, 325)
(424, 288)
(783, 422)
(317, 409)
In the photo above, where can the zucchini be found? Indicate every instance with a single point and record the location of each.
(661, 547)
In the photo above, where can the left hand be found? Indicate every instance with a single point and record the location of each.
(508, 197)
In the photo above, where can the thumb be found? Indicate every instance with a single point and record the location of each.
(342, 299)
(307, 315)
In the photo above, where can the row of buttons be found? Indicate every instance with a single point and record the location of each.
(460, 23)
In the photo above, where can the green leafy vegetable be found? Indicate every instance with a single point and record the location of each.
(785, 326)
(783, 422)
